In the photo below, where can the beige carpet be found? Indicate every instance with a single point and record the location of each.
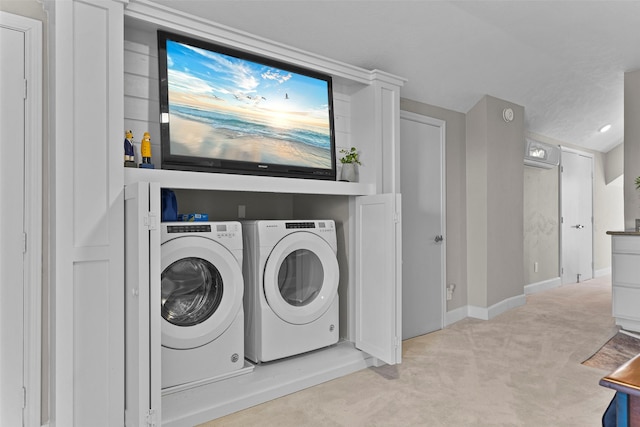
(522, 368)
(618, 350)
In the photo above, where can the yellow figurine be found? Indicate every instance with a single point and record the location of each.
(145, 151)
(145, 148)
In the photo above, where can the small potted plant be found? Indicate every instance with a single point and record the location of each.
(349, 161)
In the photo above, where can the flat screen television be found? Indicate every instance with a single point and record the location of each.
(225, 110)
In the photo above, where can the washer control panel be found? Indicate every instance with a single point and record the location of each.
(190, 228)
(221, 229)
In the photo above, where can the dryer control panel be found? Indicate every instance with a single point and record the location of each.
(310, 224)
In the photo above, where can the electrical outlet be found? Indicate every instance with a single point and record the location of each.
(450, 288)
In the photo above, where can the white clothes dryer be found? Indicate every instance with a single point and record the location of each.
(202, 330)
(291, 287)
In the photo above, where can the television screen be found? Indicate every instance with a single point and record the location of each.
(224, 110)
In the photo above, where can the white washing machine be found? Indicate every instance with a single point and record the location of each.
(201, 296)
(291, 287)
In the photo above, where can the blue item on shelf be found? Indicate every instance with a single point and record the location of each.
(169, 205)
(194, 217)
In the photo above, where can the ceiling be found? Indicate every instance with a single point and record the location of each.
(563, 61)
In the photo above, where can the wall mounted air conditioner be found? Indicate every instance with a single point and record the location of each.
(541, 155)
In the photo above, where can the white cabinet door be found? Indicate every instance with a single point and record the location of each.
(378, 289)
(142, 288)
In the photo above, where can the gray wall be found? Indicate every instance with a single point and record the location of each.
(631, 148)
(495, 168)
(608, 213)
(456, 232)
(476, 214)
(614, 163)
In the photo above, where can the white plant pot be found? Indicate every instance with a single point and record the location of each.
(349, 172)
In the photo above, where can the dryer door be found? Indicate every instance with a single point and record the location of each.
(301, 278)
(201, 291)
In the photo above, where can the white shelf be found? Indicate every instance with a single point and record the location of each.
(233, 182)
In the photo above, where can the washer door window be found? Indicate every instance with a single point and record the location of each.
(301, 278)
(191, 291)
(201, 293)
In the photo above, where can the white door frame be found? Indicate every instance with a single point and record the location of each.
(560, 193)
(441, 124)
(32, 30)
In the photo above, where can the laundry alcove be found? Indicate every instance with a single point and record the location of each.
(366, 104)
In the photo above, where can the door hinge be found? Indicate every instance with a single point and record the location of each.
(396, 217)
(150, 419)
(24, 243)
(396, 342)
(151, 221)
(24, 397)
(26, 94)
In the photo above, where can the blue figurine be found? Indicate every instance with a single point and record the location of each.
(129, 154)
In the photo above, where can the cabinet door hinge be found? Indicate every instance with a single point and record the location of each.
(150, 419)
(151, 221)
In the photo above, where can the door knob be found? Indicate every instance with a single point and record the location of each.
(438, 239)
(579, 226)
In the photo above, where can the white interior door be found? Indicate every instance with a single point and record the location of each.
(423, 246)
(12, 243)
(378, 289)
(577, 216)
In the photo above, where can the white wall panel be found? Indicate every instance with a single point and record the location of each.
(88, 212)
(91, 348)
(90, 145)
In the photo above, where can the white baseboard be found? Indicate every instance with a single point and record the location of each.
(602, 272)
(482, 313)
(498, 308)
(456, 315)
(542, 286)
(628, 324)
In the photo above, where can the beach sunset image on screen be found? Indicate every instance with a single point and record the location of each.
(231, 108)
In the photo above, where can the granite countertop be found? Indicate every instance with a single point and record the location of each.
(623, 233)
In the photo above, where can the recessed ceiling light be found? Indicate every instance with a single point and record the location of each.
(604, 128)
